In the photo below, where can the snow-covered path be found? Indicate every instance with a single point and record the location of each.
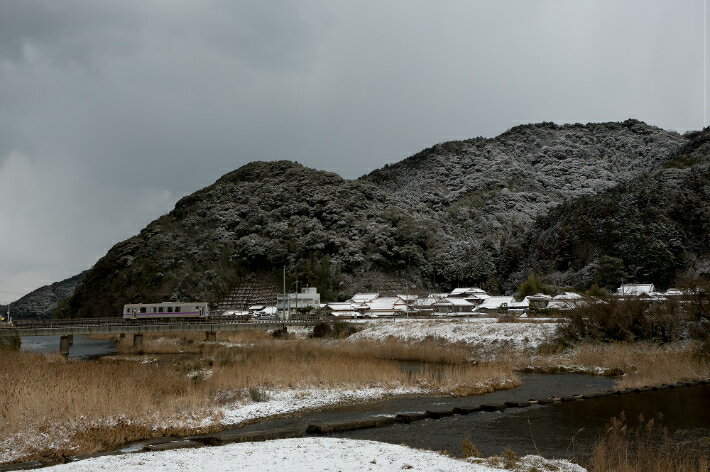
(296, 455)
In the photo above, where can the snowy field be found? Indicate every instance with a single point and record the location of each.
(485, 332)
(303, 455)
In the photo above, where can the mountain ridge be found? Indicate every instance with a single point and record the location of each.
(443, 217)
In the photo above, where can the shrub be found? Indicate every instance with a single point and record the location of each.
(258, 395)
(611, 319)
(12, 343)
(281, 333)
(468, 449)
(531, 286)
(336, 330)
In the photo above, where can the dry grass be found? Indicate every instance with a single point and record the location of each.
(642, 364)
(102, 404)
(647, 448)
(645, 363)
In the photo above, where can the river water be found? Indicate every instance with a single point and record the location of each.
(82, 349)
(562, 430)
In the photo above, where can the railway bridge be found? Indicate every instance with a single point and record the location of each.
(66, 329)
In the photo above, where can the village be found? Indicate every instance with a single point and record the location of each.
(460, 302)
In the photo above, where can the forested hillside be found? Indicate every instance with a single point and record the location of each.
(458, 213)
(654, 227)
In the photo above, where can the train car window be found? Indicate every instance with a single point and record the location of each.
(142, 309)
(160, 309)
(177, 309)
(154, 309)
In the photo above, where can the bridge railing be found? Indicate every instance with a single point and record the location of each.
(91, 322)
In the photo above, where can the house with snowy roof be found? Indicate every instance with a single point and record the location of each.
(566, 301)
(452, 305)
(386, 306)
(635, 290)
(345, 309)
(495, 303)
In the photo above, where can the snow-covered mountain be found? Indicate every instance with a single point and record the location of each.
(457, 213)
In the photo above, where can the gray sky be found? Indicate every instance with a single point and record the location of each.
(110, 111)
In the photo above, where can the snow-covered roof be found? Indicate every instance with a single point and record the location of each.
(387, 304)
(364, 297)
(539, 296)
(635, 290)
(454, 301)
(256, 307)
(346, 313)
(494, 303)
(459, 291)
(427, 301)
(673, 292)
(568, 296)
(468, 291)
(566, 301)
(477, 296)
(234, 313)
(408, 297)
(340, 306)
(270, 310)
(437, 295)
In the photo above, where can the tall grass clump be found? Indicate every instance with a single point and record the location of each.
(646, 447)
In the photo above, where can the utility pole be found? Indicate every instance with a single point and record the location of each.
(283, 314)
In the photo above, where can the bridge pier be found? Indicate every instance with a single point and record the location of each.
(71, 339)
(122, 336)
(64, 343)
(138, 341)
(210, 336)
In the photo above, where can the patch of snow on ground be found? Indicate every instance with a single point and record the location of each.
(288, 401)
(474, 331)
(294, 455)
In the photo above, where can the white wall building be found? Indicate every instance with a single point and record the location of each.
(288, 305)
(635, 290)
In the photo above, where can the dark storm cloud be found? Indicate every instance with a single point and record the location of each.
(110, 111)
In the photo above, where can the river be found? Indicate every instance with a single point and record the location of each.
(82, 349)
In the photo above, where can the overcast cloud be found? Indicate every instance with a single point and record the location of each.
(111, 111)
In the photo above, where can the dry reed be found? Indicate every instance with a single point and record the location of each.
(101, 404)
(646, 447)
(645, 363)
(642, 363)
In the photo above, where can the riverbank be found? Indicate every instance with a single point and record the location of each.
(309, 454)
